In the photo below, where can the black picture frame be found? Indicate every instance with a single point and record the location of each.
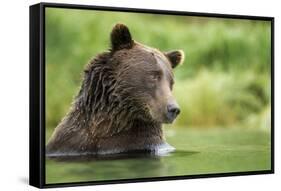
(37, 93)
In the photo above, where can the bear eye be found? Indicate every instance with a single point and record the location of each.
(155, 75)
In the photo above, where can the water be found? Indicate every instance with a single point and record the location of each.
(200, 151)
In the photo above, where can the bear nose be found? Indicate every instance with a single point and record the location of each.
(173, 111)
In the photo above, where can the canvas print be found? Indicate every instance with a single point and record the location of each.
(133, 95)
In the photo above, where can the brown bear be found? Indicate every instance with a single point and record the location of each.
(126, 95)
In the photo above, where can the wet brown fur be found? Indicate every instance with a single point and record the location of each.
(112, 111)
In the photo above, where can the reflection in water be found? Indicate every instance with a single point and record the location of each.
(116, 166)
(120, 156)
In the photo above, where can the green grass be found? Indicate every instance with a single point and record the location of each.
(223, 98)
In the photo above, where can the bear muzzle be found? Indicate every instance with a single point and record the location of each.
(173, 111)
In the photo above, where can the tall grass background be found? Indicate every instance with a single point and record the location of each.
(224, 81)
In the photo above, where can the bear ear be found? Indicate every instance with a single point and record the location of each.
(176, 57)
(120, 37)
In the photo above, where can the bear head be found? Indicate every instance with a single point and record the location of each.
(145, 76)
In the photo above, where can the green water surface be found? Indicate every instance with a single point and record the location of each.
(198, 151)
